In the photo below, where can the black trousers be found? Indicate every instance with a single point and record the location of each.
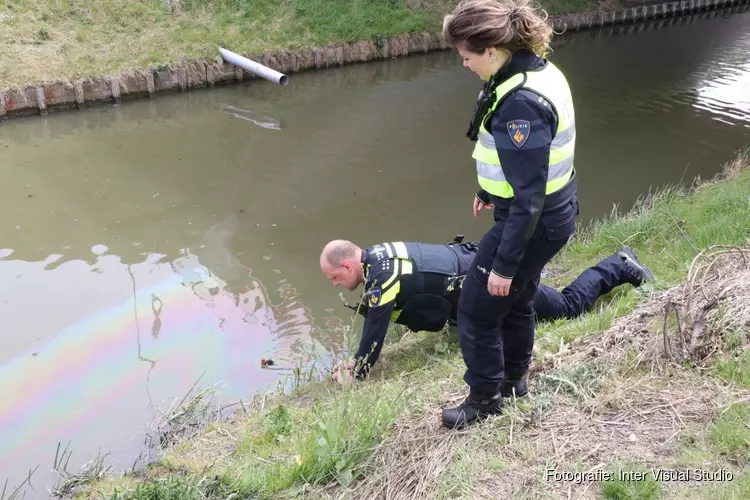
(580, 295)
(497, 333)
(550, 303)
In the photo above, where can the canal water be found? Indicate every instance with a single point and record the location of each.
(152, 245)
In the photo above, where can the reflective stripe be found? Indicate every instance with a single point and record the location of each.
(389, 250)
(407, 267)
(491, 172)
(564, 137)
(503, 189)
(551, 85)
(393, 276)
(400, 248)
(486, 140)
(495, 172)
(399, 257)
(390, 294)
(561, 138)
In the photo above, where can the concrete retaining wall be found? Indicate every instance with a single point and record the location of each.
(197, 74)
(647, 25)
(576, 22)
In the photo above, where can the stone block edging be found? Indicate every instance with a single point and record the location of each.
(41, 99)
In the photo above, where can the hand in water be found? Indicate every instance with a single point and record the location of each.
(342, 372)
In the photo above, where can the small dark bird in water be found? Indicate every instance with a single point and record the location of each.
(265, 362)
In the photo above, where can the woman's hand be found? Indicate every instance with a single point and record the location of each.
(479, 206)
(498, 286)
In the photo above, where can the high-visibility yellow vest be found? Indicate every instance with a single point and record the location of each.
(421, 276)
(551, 84)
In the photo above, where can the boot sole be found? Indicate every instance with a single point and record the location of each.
(457, 426)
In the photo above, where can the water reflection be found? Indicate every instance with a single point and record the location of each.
(724, 89)
(727, 98)
(719, 81)
(103, 377)
(708, 53)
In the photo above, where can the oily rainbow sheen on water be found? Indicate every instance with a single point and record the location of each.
(91, 364)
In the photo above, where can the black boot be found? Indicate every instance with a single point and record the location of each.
(634, 272)
(514, 385)
(475, 407)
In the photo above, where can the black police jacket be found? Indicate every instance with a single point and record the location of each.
(406, 283)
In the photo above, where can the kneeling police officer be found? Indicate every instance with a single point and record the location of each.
(418, 285)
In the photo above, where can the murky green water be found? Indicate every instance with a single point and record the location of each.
(149, 245)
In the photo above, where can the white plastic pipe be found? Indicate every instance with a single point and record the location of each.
(254, 67)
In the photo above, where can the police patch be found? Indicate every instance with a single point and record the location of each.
(373, 296)
(519, 131)
(379, 251)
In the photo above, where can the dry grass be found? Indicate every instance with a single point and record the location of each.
(410, 463)
(625, 420)
(628, 420)
(637, 421)
(713, 301)
(693, 318)
(619, 398)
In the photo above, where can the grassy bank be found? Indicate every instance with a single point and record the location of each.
(619, 389)
(48, 40)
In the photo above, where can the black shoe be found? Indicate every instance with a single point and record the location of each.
(634, 272)
(514, 385)
(474, 407)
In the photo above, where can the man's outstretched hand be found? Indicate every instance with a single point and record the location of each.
(342, 372)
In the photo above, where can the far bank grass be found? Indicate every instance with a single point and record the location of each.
(382, 437)
(47, 40)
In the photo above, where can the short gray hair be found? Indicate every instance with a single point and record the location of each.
(339, 250)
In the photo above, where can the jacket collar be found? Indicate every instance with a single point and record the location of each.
(363, 262)
(520, 61)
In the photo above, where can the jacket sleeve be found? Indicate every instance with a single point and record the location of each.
(381, 302)
(523, 130)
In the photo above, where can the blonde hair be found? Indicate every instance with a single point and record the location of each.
(510, 24)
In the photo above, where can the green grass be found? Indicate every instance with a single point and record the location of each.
(736, 489)
(735, 367)
(632, 482)
(723, 446)
(324, 436)
(730, 434)
(667, 232)
(48, 40)
(318, 441)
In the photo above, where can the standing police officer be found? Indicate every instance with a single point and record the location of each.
(525, 125)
